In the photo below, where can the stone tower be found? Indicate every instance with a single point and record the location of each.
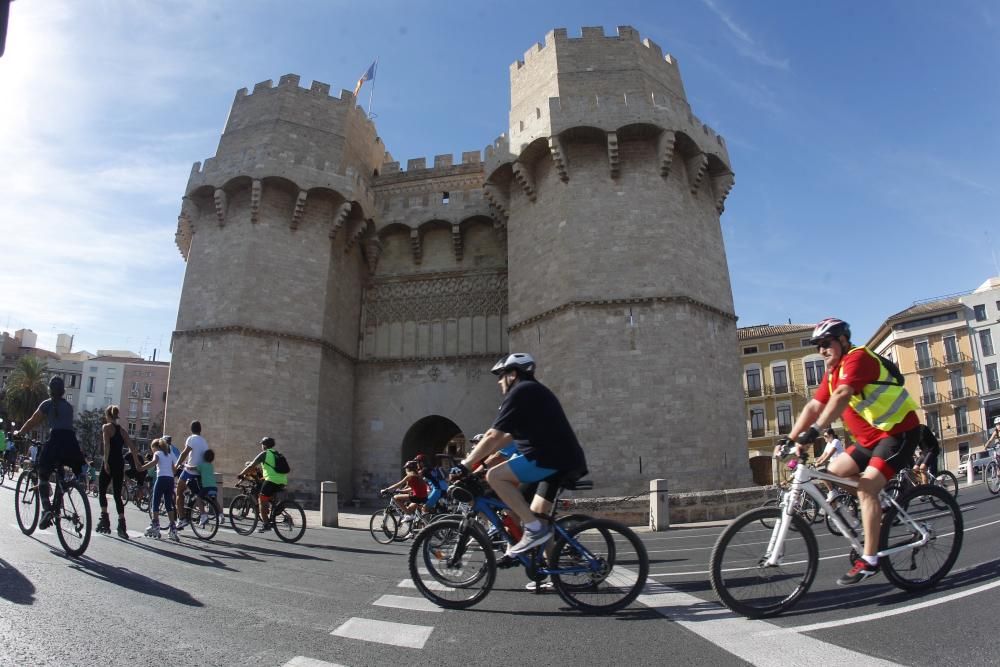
(618, 283)
(352, 309)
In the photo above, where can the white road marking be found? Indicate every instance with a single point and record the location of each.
(406, 602)
(431, 585)
(302, 661)
(385, 632)
(753, 641)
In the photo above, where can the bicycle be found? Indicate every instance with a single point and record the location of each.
(70, 509)
(204, 517)
(805, 506)
(907, 478)
(385, 522)
(288, 519)
(453, 564)
(758, 576)
(991, 474)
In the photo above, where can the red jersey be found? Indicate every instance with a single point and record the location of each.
(858, 369)
(418, 488)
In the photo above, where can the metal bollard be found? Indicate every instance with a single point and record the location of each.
(970, 472)
(659, 505)
(328, 504)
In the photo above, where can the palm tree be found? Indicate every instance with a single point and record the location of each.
(26, 388)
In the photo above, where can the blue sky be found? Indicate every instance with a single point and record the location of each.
(863, 136)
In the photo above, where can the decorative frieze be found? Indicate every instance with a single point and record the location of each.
(221, 205)
(300, 209)
(255, 194)
(436, 298)
(524, 178)
(696, 167)
(559, 158)
(614, 163)
(665, 150)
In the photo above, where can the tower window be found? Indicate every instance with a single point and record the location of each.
(445, 197)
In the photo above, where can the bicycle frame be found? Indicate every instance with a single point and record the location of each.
(803, 483)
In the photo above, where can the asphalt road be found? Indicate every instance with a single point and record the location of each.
(339, 598)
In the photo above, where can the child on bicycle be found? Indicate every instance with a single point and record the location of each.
(209, 488)
(417, 495)
(163, 489)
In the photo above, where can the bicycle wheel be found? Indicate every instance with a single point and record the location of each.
(73, 521)
(768, 522)
(740, 575)
(921, 567)
(809, 509)
(289, 521)
(205, 521)
(947, 481)
(849, 510)
(600, 566)
(383, 526)
(125, 494)
(143, 502)
(243, 514)
(452, 563)
(992, 476)
(26, 503)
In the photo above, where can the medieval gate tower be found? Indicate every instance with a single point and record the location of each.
(352, 309)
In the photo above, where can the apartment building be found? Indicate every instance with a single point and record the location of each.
(781, 369)
(143, 398)
(983, 308)
(933, 345)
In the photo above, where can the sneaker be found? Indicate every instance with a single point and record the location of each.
(531, 539)
(203, 521)
(181, 524)
(861, 571)
(46, 520)
(544, 585)
(407, 518)
(264, 528)
(173, 535)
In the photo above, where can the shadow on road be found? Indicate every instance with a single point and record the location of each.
(139, 583)
(244, 547)
(14, 586)
(204, 560)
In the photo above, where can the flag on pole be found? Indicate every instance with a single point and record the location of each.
(369, 75)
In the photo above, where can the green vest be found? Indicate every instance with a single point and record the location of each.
(270, 474)
(882, 403)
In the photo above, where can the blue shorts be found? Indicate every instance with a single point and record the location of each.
(528, 471)
(188, 476)
(433, 496)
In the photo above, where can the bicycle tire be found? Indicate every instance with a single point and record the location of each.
(849, 508)
(74, 522)
(940, 553)
(769, 522)
(733, 566)
(143, 503)
(992, 476)
(382, 526)
(452, 564)
(614, 576)
(211, 527)
(26, 502)
(125, 494)
(947, 481)
(288, 520)
(241, 509)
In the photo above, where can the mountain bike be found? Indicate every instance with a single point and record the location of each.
(288, 519)
(203, 517)
(907, 478)
(991, 474)
(385, 522)
(596, 565)
(759, 573)
(69, 505)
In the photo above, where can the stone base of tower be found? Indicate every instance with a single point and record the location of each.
(243, 385)
(650, 387)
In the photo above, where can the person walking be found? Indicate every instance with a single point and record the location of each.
(115, 440)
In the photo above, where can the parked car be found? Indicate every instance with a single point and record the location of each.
(979, 461)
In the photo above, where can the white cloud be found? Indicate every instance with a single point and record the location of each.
(746, 44)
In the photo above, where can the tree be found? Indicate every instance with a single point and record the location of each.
(88, 426)
(26, 388)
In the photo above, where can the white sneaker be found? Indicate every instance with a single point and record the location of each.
(531, 539)
(181, 524)
(203, 521)
(545, 585)
(408, 518)
(173, 535)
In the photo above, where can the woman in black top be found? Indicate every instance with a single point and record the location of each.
(113, 471)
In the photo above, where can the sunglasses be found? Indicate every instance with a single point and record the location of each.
(823, 344)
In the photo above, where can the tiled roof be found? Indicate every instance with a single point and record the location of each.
(925, 308)
(765, 330)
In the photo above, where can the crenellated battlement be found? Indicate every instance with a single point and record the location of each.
(590, 36)
(444, 164)
(291, 81)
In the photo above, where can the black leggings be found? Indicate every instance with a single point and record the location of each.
(116, 479)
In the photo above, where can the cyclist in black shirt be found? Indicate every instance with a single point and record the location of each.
(532, 417)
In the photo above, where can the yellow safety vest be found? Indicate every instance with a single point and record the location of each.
(883, 403)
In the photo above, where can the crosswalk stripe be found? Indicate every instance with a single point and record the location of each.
(431, 585)
(385, 632)
(406, 602)
(302, 661)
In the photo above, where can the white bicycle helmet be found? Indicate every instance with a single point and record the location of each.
(521, 361)
(996, 421)
(831, 327)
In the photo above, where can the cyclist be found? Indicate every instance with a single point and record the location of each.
(190, 457)
(930, 449)
(869, 396)
(435, 479)
(62, 447)
(417, 495)
(274, 481)
(994, 434)
(531, 417)
(113, 472)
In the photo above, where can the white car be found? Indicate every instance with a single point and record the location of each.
(979, 461)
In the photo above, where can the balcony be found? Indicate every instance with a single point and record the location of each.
(956, 358)
(960, 431)
(927, 363)
(753, 392)
(931, 399)
(770, 390)
(757, 433)
(784, 429)
(961, 394)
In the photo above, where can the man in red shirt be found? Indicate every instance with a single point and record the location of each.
(859, 388)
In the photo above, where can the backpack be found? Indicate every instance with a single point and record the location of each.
(893, 369)
(280, 463)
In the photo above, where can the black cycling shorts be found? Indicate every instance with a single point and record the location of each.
(889, 455)
(268, 489)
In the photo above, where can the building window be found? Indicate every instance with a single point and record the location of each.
(805, 342)
(445, 197)
(961, 420)
(134, 391)
(144, 431)
(145, 409)
(131, 428)
(957, 388)
(980, 311)
(923, 350)
(814, 372)
(753, 382)
(69, 396)
(93, 369)
(133, 408)
(950, 349)
(752, 349)
(109, 386)
(90, 384)
(72, 380)
(756, 422)
(784, 418)
(992, 382)
(776, 347)
(780, 374)
(934, 422)
(986, 342)
(111, 372)
(927, 389)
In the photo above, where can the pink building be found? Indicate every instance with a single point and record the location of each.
(143, 397)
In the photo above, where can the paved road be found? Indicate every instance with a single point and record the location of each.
(339, 598)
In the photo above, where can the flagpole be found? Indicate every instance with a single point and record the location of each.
(371, 91)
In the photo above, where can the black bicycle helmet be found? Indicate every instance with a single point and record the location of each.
(267, 441)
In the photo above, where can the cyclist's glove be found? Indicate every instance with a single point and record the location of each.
(458, 470)
(809, 436)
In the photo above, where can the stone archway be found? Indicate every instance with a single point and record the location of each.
(432, 435)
